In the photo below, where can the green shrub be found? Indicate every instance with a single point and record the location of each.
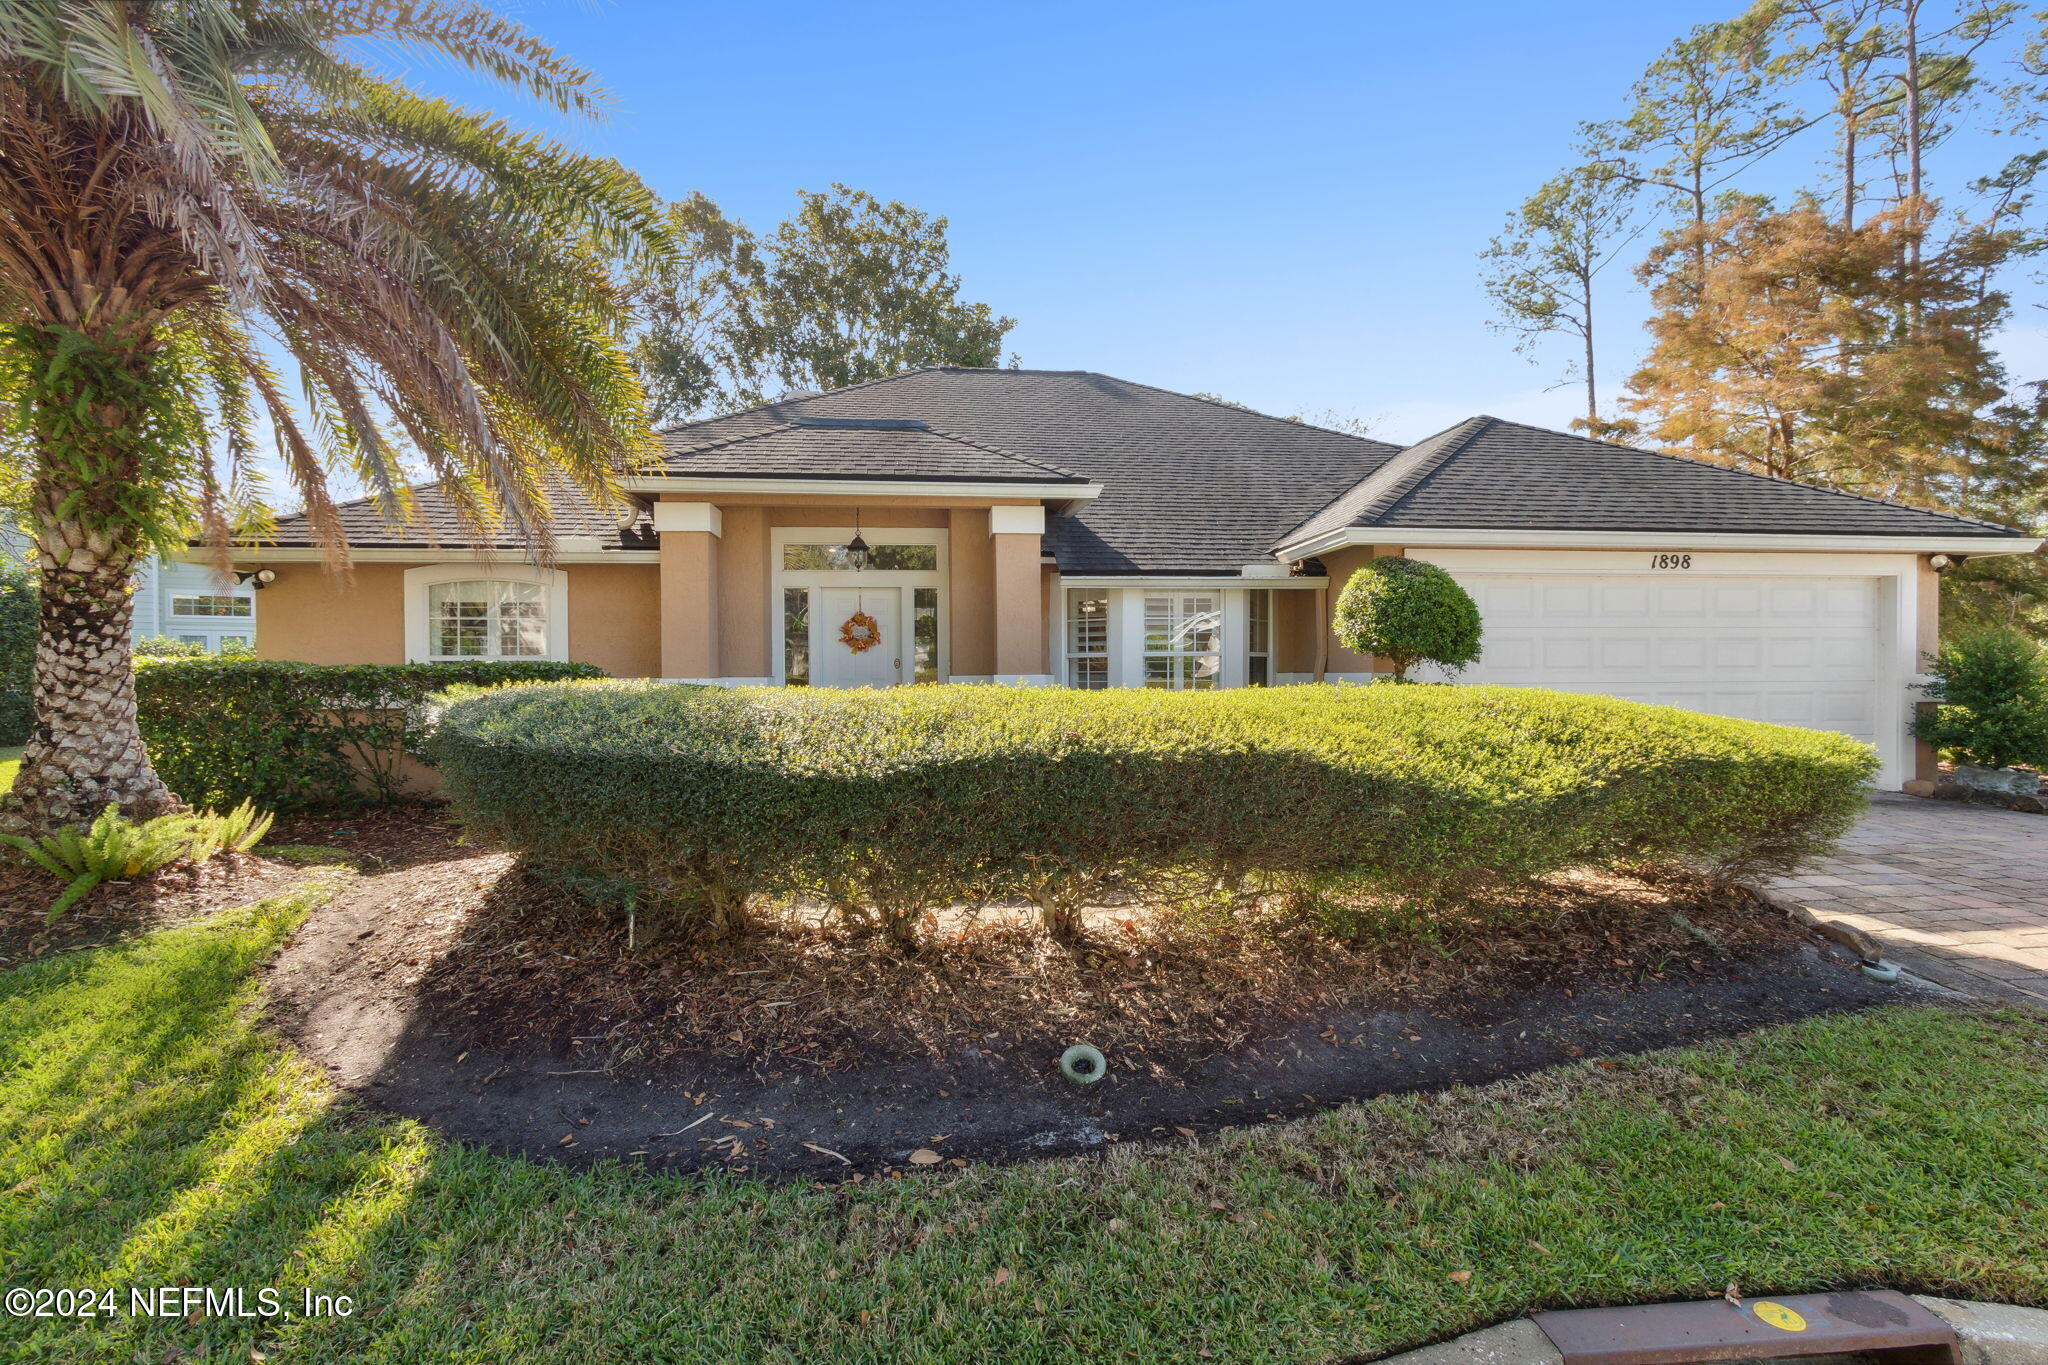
(20, 618)
(293, 736)
(1408, 612)
(112, 847)
(1990, 691)
(168, 647)
(894, 803)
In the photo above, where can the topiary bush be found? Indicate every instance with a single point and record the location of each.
(293, 736)
(1990, 691)
(1408, 612)
(891, 804)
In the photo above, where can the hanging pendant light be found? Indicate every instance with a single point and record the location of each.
(857, 549)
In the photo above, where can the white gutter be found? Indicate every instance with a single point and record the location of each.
(881, 488)
(1422, 537)
(303, 554)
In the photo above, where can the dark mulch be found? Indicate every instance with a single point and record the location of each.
(114, 910)
(454, 988)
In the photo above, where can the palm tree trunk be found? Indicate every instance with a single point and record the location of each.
(85, 750)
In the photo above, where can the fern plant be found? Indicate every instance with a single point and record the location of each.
(115, 849)
(240, 830)
(109, 849)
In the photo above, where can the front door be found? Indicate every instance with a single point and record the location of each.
(835, 663)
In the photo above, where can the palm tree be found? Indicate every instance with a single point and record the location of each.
(198, 197)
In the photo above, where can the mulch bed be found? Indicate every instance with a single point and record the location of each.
(114, 910)
(453, 987)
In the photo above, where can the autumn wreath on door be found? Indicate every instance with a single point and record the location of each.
(860, 632)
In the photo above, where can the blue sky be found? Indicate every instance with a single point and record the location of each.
(1282, 203)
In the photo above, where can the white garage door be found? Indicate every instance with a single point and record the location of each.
(1800, 651)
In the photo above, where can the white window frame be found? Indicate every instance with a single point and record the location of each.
(1222, 651)
(419, 629)
(1245, 654)
(248, 602)
(1064, 650)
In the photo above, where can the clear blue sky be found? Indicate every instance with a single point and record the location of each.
(1281, 203)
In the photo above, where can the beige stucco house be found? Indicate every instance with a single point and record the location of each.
(1071, 529)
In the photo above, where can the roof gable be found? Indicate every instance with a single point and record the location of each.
(1486, 473)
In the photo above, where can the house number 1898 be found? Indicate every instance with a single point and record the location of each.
(1671, 561)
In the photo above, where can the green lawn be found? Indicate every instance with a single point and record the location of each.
(151, 1134)
(10, 764)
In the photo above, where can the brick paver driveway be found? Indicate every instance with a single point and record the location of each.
(1956, 893)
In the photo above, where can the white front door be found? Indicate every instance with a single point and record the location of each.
(838, 664)
(1794, 651)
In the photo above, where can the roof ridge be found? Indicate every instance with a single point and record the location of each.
(723, 441)
(1753, 474)
(1234, 407)
(927, 430)
(803, 398)
(1008, 454)
(1402, 486)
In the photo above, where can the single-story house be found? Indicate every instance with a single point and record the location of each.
(1068, 528)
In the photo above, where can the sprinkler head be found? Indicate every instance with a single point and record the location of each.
(1083, 1065)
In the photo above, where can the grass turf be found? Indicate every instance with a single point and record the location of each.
(151, 1133)
(10, 764)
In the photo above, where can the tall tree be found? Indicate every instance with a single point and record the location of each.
(1787, 355)
(1542, 268)
(688, 314)
(849, 288)
(181, 178)
(1708, 107)
(1846, 45)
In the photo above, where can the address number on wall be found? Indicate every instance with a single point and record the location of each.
(1671, 561)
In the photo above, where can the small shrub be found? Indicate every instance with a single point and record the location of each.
(293, 736)
(1408, 612)
(112, 848)
(1990, 691)
(889, 805)
(168, 647)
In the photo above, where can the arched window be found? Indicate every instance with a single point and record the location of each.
(462, 612)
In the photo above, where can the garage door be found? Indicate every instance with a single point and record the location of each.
(1792, 651)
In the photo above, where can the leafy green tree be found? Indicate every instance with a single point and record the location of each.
(692, 343)
(1990, 691)
(178, 180)
(847, 289)
(1408, 612)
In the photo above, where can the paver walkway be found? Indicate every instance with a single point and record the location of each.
(1956, 893)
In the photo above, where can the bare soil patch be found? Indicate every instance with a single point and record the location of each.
(455, 988)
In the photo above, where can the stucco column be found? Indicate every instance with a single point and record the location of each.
(1018, 534)
(689, 588)
(1927, 629)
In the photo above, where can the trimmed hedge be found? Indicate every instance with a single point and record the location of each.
(893, 803)
(292, 736)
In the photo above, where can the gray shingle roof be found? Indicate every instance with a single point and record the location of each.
(1486, 473)
(1192, 486)
(850, 448)
(436, 524)
(1188, 485)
